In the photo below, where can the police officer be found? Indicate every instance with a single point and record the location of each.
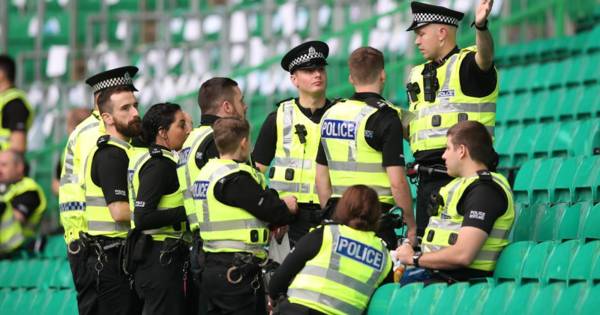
(15, 112)
(473, 219)
(107, 212)
(361, 143)
(335, 268)
(217, 97)
(25, 195)
(71, 193)
(157, 205)
(453, 85)
(235, 212)
(11, 234)
(289, 137)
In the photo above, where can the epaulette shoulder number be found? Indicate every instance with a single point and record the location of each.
(103, 141)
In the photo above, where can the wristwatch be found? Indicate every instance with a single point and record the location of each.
(481, 28)
(416, 258)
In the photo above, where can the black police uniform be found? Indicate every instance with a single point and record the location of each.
(383, 133)
(161, 277)
(242, 191)
(473, 82)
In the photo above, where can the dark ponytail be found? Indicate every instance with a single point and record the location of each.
(159, 116)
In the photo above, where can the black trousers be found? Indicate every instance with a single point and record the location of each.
(224, 297)
(114, 294)
(427, 185)
(160, 284)
(84, 279)
(307, 218)
(285, 307)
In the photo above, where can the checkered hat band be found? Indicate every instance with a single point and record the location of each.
(435, 18)
(306, 58)
(112, 82)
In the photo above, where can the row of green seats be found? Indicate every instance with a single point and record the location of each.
(35, 273)
(518, 144)
(571, 71)
(561, 104)
(38, 301)
(548, 49)
(556, 180)
(558, 222)
(549, 261)
(485, 298)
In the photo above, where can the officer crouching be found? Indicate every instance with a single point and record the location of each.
(235, 212)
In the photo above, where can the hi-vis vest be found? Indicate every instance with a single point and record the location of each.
(166, 202)
(26, 185)
(350, 159)
(442, 230)
(187, 170)
(341, 278)
(11, 233)
(294, 168)
(97, 215)
(71, 194)
(225, 228)
(6, 97)
(428, 129)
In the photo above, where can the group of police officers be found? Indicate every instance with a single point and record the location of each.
(161, 219)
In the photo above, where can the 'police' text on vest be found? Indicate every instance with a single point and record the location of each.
(360, 252)
(199, 189)
(338, 129)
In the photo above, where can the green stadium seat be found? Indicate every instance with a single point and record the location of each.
(570, 99)
(589, 74)
(503, 109)
(535, 104)
(547, 299)
(380, 301)
(591, 221)
(427, 298)
(546, 228)
(543, 179)
(62, 277)
(562, 188)
(498, 298)
(520, 303)
(526, 222)
(511, 261)
(564, 138)
(571, 298)
(591, 105)
(584, 179)
(584, 261)
(586, 140)
(541, 148)
(515, 109)
(536, 261)
(521, 151)
(523, 181)
(55, 247)
(589, 305)
(557, 268)
(568, 222)
(505, 143)
(447, 302)
(473, 299)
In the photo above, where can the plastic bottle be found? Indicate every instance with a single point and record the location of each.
(398, 267)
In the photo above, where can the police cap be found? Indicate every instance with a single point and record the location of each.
(424, 14)
(114, 77)
(307, 55)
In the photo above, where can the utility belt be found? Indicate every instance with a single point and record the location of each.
(243, 266)
(311, 212)
(102, 247)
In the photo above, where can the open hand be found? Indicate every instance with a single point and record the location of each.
(483, 11)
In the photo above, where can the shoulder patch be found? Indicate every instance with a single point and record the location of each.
(485, 176)
(284, 101)
(103, 140)
(154, 151)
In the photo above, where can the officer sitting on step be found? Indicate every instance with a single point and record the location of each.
(474, 213)
(235, 212)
